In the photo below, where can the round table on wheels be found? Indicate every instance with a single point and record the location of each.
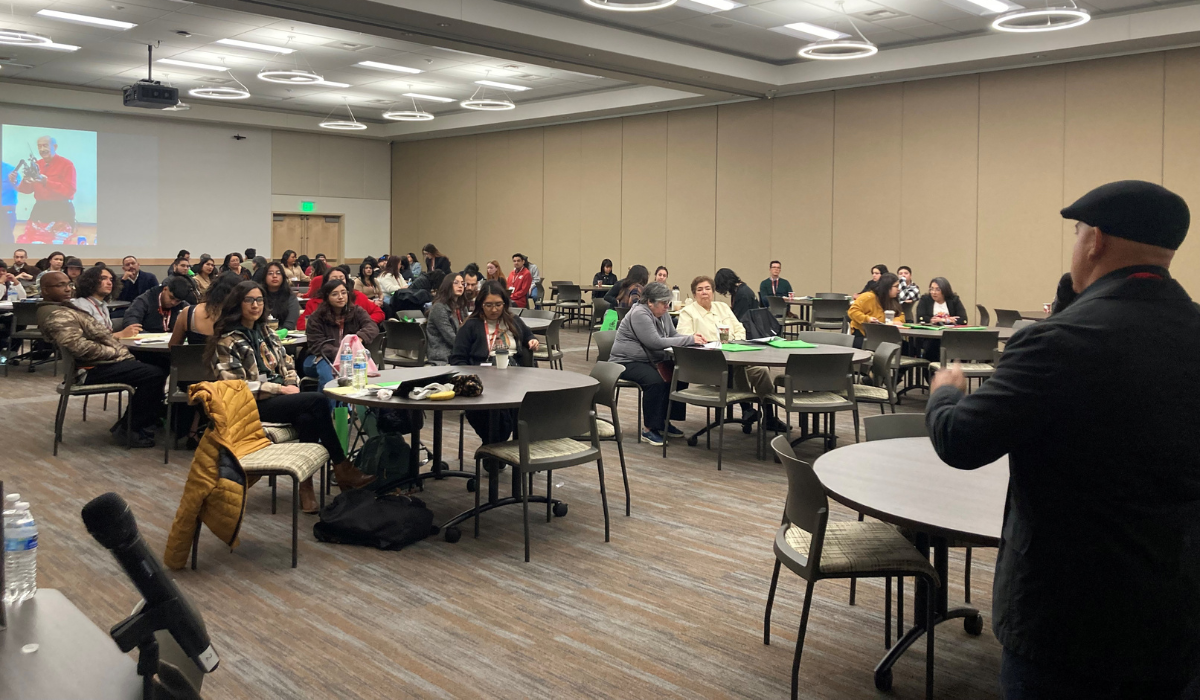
(1005, 333)
(502, 388)
(903, 481)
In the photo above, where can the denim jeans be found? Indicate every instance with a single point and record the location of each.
(320, 369)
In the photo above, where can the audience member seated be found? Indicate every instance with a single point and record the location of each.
(628, 293)
(203, 276)
(341, 272)
(520, 281)
(446, 316)
(366, 282)
(393, 278)
(291, 270)
(870, 306)
(21, 269)
(641, 343)
(493, 273)
(73, 267)
(491, 327)
(180, 267)
(741, 297)
(184, 254)
(910, 292)
(414, 265)
(242, 348)
(54, 262)
(316, 274)
(704, 317)
(605, 277)
(941, 306)
(876, 272)
(196, 323)
(282, 303)
(660, 274)
(134, 282)
(93, 291)
(233, 263)
(320, 258)
(773, 285)
(103, 358)
(11, 282)
(259, 263)
(471, 285)
(333, 320)
(434, 260)
(157, 310)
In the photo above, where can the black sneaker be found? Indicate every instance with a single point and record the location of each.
(674, 432)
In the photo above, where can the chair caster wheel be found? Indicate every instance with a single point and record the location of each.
(973, 625)
(560, 510)
(692, 442)
(452, 534)
(471, 485)
(883, 680)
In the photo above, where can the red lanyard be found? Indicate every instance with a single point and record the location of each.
(166, 318)
(492, 338)
(100, 312)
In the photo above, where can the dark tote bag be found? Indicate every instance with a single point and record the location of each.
(373, 517)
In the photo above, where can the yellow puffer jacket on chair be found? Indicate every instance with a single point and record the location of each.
(215, 492)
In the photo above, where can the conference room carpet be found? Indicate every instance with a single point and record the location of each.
(671, 607)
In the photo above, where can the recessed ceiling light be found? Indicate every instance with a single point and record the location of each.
(711, 5)
(330, 83)
(1041, 20)
(220, 93)
(815, 30)
(388, 66)
(84, 19)
(627, 6)
(431, 98)
(255, 47)
(290, 77)
(502, 86)
(992, 5)
(18, 37)
(190, 64)
(55, 47)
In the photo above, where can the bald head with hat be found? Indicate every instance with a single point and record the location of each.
(1125, 223)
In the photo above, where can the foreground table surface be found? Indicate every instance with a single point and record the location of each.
(1005, 333)
(502, 388)
(74, 659)
(131, 343)
(778, 357)
(904, 482)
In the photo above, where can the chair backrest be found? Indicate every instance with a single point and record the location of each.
(778, 306)
(830, 310)
(188, 365)
(701, 366)
(621, 312)
(25, 313)
(118, 324)
(604, 343)
(607, 373)
(985, 319)
(375, 347)
(826, 338)
(1022, 323)
(895, 425)
(883, 365)
(408, 338)
(538, 313)
(1005, 318)
(559, 284)
(599, 308)
(807, 504)
(410, 313)
(877, 333)
(819, 372)
(909, 308)
(969, 346)
(69, 371)
(556, 414)
(570, 292)
(830, 295)
(552, 339)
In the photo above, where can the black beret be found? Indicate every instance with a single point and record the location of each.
(1134, 210)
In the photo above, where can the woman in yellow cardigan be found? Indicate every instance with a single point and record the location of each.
(870, 306)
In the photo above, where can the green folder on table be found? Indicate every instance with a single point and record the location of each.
(923, 327)
(789, 344)
(734, 347)
(967, 328)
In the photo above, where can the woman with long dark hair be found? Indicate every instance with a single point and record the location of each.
(195, 325)
(393, 277)
(368, 272)
(293, 268)
(282, 303)
(342, 272)
(941, 305)
(628, 293)
(54, 263)
(414, 265)
(242, 348)
(446, 316)
(434, 260)
(205, 274)
(871, 306)
(876, 272)
(336, 318)
(741, 298)
(605, 277)
(233, 263)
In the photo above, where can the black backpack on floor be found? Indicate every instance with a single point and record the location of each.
(371, 517)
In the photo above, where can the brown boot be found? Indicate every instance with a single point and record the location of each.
(349, 477)
(308, 497)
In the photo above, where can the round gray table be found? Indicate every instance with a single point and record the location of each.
(778, 357)
(904, 482)
(1005, 333)
(502, 389)
(289, 343)
(536, 324)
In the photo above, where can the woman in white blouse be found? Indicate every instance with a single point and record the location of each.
(391, 280)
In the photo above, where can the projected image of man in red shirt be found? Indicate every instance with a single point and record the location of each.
(52, 219)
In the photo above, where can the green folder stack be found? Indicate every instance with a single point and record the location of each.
(734, 347)
(789, 344)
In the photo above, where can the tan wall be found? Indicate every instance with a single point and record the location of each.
(959, 177)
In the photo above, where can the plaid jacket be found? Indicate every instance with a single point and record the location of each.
(235, 359)
(909, 293)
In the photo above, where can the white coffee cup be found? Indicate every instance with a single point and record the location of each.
(889, 316)
(502, 359)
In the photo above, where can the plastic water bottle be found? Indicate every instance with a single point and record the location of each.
(346, 360)
(360, 370)
(20, 553)
(12, 293)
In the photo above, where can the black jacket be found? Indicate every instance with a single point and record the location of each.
(925, 309)
(471, 345)
(743, 300)
(132, 290)
(1099, 566)
(145, 310)
(600, 278)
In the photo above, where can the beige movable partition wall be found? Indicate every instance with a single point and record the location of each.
(961, 177)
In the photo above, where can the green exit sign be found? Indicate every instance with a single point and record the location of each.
(308, 206)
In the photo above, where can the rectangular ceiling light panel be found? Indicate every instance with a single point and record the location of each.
(710, 6)
(189, 64)
(255, 47)
(811, 32)
(387, 66)
(431, 98)
(85, 19)
(502, 86)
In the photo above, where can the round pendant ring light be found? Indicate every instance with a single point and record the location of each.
(292, 77)
(220, 93)
(408, 115)
(839, 49)
(18, 37)
(1047, 19)
(487, 104)
(343, 125)
(631, 6)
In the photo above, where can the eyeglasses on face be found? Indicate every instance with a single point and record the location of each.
(493, 305)
(253, 301)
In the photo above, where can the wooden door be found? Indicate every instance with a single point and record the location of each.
(287, 233)
(324, 235)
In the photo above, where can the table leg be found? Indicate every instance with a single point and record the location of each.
(439, 469)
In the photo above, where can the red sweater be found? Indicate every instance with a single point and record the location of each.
(360, 299)
(59, 184)
(521, 282)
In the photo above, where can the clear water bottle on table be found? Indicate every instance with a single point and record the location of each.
(360, 370)
(20, 550)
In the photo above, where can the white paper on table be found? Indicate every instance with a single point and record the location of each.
(713, 345)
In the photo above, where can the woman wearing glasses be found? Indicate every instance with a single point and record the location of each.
(242, 348)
